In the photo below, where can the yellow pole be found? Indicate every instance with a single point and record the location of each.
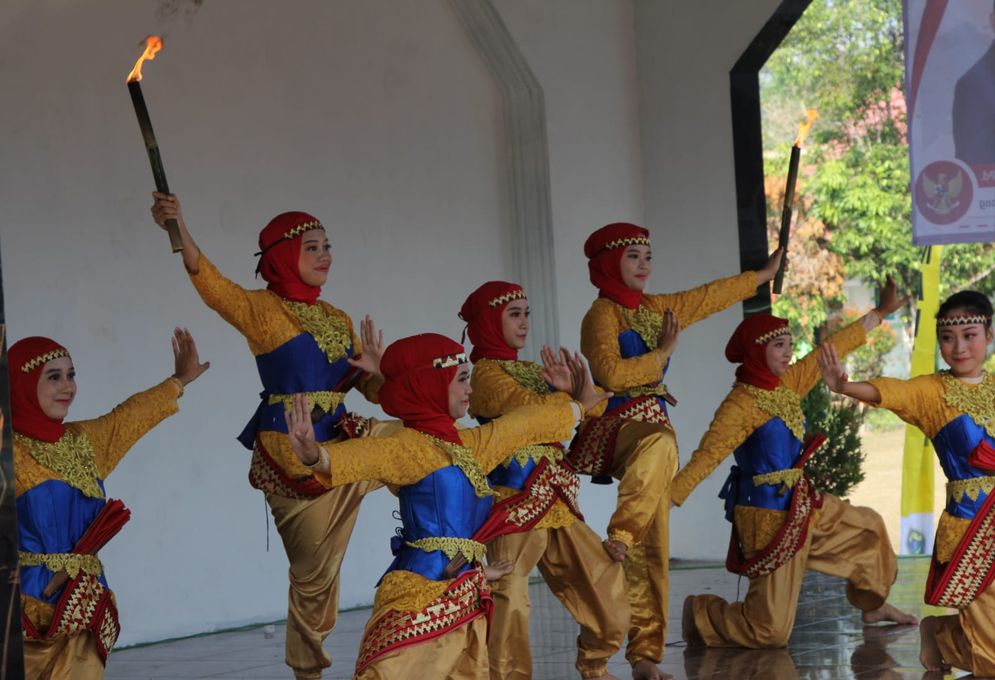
(917, 460)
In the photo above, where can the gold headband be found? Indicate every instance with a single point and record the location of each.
(43, 359)
(301, 228)
(625, 242)
(962, 320)
(449, 360)
(770, 335)
(507, 297)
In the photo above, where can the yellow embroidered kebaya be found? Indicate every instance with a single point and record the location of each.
(977, 401)
(782, 403)
(606, 320)
(105, 439)
(740, 414)
(70, 457)
(328, 329)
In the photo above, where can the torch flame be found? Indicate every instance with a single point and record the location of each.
(153, 44)
(803, 129)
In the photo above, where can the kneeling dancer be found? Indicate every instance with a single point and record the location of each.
(782, 526)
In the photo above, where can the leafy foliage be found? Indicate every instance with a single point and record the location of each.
(845, 58)
(836, 467)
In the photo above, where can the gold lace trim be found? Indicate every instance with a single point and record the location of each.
(43, 359)
(962, 320)
(71, 457)
(327, 401)
(527, 374)
(781, 403)
(977, 401)
(770, 335)
(451, 546)
(787, 477)
(535, 452)
(463, 458)
(328, 330)
(517, 294)
(301, 228)
(625, 242)
(970, 487)
(71, 563)
(647, 324)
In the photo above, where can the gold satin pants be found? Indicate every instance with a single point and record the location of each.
(460, 654)
(843, 540)
(645, 463)
(73, 657)
(575, 566)
(967, 639)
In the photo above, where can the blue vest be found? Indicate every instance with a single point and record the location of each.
(298, 365)
(772, 446)
(953, 444)
(51, 518)
(631, 344)
(441, 504)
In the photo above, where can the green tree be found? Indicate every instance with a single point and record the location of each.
(845, 58)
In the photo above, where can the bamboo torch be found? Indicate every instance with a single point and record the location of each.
(153, 44)
(789, 196)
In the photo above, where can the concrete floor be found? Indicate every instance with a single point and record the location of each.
(828, 641)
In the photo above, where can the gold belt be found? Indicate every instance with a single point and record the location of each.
(327, 401)
(71, 563)
(651, 391)
(451, 546)
(788, 477)
(969, 487)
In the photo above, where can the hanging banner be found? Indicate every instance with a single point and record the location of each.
(917, 458)
(950, 92)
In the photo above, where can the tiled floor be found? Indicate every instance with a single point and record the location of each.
(829, 641)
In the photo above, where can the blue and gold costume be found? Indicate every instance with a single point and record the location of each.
(444, 497)
(299, 348)
(764, 429)
(567, 552)
(636, 444)
(59, 489)
(959, 419)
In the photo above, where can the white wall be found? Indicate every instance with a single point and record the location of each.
(685, 51)
(375, 116)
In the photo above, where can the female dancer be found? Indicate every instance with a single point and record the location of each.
(68, 611)
(536, 494)
(628, 337)
(428, 615)
(956, 410)
(302, 346)
(782, 526)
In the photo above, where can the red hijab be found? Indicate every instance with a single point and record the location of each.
(482, 312)
(280, 251)
(748, 347)
(25, 361)
(604, 249)
(417, 372)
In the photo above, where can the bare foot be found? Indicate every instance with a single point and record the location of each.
(495, 570)
(647, 670)
(887, 612)
(688, 630)
(929, 651)
(615, 549)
